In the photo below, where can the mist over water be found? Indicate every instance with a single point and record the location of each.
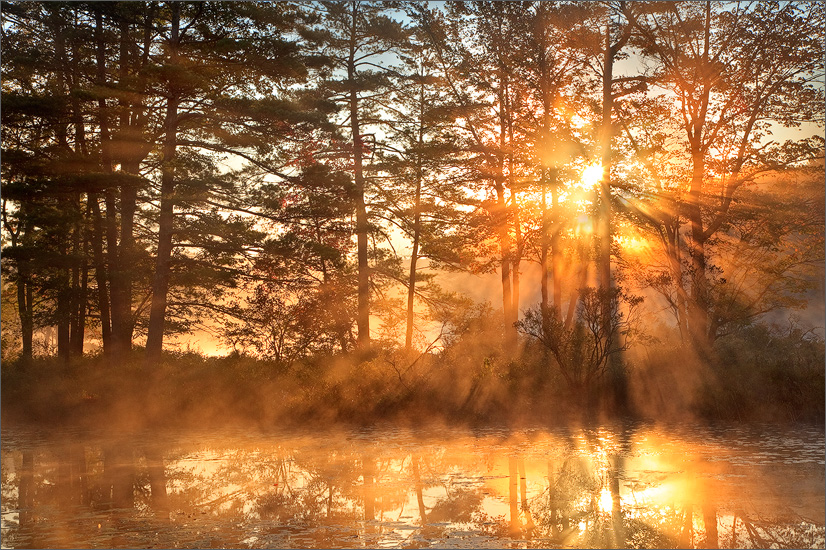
(631, 485)
(413, 274)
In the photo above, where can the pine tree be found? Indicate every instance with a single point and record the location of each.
(358, 38)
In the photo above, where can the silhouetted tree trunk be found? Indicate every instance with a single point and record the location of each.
(106, 270)
(617, 374)
(363, 316)
(506, 252)
(160, 284)
(604, 256)
(710, 521)
(132, 151)
(25, 311)
(414, 256)
(100, 273)
(417, 481)
(18, 236)
(417, 220)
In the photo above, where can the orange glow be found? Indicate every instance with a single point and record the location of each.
(631, 243)
(591, 176)
(606, 503)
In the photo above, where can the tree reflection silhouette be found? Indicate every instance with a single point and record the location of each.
(306, 492)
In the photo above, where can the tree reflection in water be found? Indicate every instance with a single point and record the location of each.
(620, 488)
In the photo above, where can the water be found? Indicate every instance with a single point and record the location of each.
(632, 486)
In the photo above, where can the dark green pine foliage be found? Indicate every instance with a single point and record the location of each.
(47, 161)
(424, 194)
(361, 40)
(223, 65)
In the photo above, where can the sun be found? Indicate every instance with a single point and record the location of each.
(591, 176)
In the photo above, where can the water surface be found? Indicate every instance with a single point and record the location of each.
(614, 486)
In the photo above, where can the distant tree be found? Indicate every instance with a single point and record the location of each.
(300, 297)
(472, 46)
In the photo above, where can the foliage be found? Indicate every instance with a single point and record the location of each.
(768, 372)
(582, 349)
(287, 175)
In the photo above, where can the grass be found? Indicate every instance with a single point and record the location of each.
(759, 374)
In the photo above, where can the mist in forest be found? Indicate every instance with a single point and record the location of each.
(417, 213)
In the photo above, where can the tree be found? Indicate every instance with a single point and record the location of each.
(215, 54)
(424, 194)
(46, 162)
(300, 292)
(356, 36)
(736, 73)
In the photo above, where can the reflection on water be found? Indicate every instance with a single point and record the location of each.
(609, 487)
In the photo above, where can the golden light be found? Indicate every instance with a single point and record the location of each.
(591, 176)
(584, 225)
(630, 243)
(606, 502)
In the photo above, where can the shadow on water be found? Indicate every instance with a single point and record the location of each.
(623, 487)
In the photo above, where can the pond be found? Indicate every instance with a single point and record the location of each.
(631, 485)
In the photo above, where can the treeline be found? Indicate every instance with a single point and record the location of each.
(297, 175)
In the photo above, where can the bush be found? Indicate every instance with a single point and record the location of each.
(766, 372)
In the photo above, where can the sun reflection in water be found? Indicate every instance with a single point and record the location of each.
(606, 503)
(558, 489)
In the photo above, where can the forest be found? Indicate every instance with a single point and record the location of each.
(359, 211)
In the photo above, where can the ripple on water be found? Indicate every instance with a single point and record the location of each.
(391, 487)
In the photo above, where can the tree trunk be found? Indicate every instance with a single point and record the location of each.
(517, 228)
(545, 244)
(109, 271)
(604, 271)
(24, 290)
(64, 291)
(517, 260)
(79, 240)
(363, 316)
(414, 256)
(64, 295)
(698, 304)
(24, 311)
(126, 257)
(619, 383)
(556, 252)
(506, 253)
(100, 274)
(160, 283)
(74, 297)
(130, 164)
